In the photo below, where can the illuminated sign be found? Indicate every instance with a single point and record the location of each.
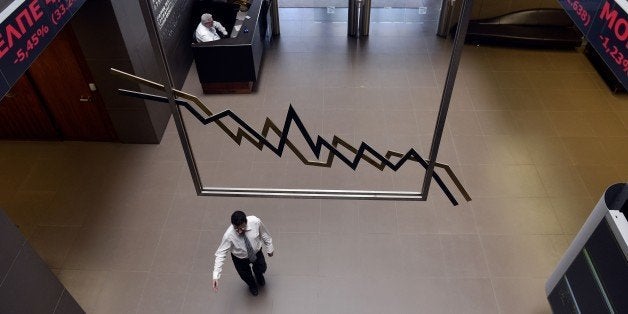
(26, 28)
(605, 25)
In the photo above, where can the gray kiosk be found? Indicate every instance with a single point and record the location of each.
(592, 276)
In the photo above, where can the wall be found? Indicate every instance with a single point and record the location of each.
(26, 283)
(112, 33)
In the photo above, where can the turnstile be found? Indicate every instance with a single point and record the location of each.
(359, 17)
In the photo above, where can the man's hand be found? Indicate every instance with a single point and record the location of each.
(271, 253)
(215, 285)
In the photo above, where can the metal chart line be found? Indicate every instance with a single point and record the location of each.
(259, 140)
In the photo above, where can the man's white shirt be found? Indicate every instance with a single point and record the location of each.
(204, 33)
(233, 242)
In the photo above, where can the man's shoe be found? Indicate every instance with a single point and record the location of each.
(261, 281)
(254, 291)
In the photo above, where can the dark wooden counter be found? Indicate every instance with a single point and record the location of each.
(231, 65)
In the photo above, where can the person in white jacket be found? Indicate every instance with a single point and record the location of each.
(207, 29)
(243, 239)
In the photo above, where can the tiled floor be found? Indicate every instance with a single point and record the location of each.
(534, 135)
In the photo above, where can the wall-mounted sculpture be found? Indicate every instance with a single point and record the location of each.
(259, 139)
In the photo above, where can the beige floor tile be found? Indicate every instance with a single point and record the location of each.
(537, 124)
(515, 216)
(378, 255)
(491, 99)
(199, 297)
(339, 255)
(598, 178)
(472, 150)
(46, 174)
(425, 99)
(267, 175)
(25, 209)
(547, 150)
(464, 256)
(84, 286)
(293, 294)
(498, 122)
(422, 256)
(129, 210)
(426, 121)
(522, 100)
(304, 177)
(70, 208)
(585, 151)
(471, 295)
(507, 149)
(93, 249)
(512, 80)
(502, 180)
(187, 213)
(571, 123)
(581, 80)
(397, 98)
(546, 80)
(571, 212)
(454, 219)
(561, 181)
(53, 243)
(520, 255)
(607, 124)
(616, 149)
(11, 178)
(482, 79)
(377, 217)
(339, 294)
(463, 123)
(299, 215)
(416, 218)
(339, 217)
(218, 213)
(121, 292)
(135, 249)
(520, 295)
(588, 100)
(296, 253)
(176, 250)
(164, 292)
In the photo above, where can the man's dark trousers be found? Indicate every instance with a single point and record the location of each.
(244, 270)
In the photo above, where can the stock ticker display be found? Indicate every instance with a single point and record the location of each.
(605, 26)
(26, 28)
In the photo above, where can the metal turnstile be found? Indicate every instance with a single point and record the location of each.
(444, 18)
(274, 16)
(359, 17)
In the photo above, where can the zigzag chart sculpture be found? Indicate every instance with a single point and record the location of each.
(259, 140)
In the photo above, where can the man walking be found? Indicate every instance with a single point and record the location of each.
(243, 239)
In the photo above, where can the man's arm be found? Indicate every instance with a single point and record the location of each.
(268, 240)
(221, 255)
(221, 28)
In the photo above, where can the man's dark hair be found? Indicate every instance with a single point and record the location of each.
(238, 217)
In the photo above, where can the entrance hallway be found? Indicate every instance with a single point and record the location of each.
(534, 135)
